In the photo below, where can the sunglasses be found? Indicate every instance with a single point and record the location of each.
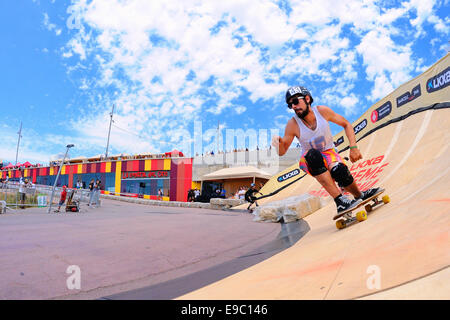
(294, 102)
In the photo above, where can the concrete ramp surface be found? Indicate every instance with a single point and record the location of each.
(402, 250)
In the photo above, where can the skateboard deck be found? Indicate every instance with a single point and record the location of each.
(347, 216)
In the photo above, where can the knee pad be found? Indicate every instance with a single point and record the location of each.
(342, 175)
(315, 162)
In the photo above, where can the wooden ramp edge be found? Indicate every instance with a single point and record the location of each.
(400, 243)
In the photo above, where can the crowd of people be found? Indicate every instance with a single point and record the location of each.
(211, 153)
(193, 195)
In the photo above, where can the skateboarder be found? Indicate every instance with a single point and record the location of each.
(249, 196)
(320, 159)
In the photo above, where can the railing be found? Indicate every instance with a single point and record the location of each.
(39, 195)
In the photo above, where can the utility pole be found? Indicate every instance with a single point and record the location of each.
(218, 135)
(109, 132)
(18, 141)
(57, 176)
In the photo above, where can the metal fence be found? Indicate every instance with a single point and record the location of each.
(39, 195)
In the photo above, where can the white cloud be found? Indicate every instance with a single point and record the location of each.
(51, 26)
(240, 109)
(175, 61)
(387, 64)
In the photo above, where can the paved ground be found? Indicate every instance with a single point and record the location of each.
(118, 247)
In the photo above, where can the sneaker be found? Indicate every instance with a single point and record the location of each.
(369, 193)
(343, 203)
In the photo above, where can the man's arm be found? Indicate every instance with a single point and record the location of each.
(282, 144)
(332, 116)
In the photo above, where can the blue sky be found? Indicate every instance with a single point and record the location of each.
(172, 67)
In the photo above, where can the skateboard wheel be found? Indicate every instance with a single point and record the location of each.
(361, 216)
(368, 207)
(340, 224)
(386, 199)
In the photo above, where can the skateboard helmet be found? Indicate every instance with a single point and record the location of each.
(298, 90)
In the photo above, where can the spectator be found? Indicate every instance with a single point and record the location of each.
(223, 193)
(91, 192)
(22, 191)
(191, 196)
(160, 194)
(196, 194)
(97, 188)
(62, 199)
(241, 193)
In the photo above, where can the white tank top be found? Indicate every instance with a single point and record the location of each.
(320, 138)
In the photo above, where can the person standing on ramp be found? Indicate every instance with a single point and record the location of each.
(320, 159)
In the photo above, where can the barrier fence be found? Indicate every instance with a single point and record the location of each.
(39, 196)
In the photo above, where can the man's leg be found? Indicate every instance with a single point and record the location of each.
(317, 168)
(354, 190)
(345, 180)
(328, 184)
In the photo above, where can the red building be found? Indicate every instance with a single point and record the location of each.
(128, 177)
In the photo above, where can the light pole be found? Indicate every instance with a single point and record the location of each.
(57, 176)
(18, 141)
(109, 131)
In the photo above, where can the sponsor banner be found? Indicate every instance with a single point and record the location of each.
(408, 96)
(360, 126)
(339, 141)
(438, 82)
(381, 112)
(289, 175)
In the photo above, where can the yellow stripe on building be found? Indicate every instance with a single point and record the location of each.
(167, 163)
(108, 167)
(118, 177)
(79, 168)
(148, 165)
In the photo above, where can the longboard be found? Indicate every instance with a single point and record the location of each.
(348, 217)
